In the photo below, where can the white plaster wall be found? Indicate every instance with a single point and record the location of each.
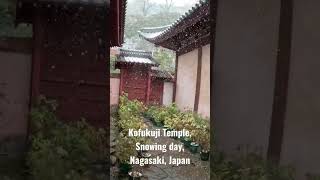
(167, 93)
(204, 96)
(114, 91)
(186, 80)
(243, 72)
(301, 141)
(15, 74)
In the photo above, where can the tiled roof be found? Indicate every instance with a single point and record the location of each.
(137, 60)
(136, 56)
(152, 32)
(156, 34)
(157, 72)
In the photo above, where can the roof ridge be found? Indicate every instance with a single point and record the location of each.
(154, 29)
(136, 56)
(135, 52)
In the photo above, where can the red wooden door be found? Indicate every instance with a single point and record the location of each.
(156, 91)
(72, 70)
(135, 79)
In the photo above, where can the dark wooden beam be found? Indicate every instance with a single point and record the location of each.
(148, 86)
(37, 55)
(191, 38)
(122, 71)
(175, 79)
(20, 45)
(213, 23)
(162, 92)
(196, 16)
(198, 83)
(194, 44)
(281, 81)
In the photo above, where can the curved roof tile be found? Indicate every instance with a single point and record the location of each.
(154, 34)
(136, 56)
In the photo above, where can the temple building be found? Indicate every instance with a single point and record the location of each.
(141, 78)
(189, 37)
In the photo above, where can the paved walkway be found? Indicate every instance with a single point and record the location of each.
(198, 170)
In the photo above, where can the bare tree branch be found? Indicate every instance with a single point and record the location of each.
(168, 5)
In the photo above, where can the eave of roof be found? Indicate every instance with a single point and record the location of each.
(161, 36)
(127, 56)
(150, 33)
(122, 11)
(137, 60)
(158, 73)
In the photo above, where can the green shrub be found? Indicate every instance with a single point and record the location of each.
(160, 115)
(125, 148)
(134, 108)
(173, 118)
(312, 176)
(130, 117)
(248, 167)
(61, 151)
(163, 115)
(151, 111)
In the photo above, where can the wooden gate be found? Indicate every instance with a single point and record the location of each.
(156, 91)
(73, 63)
(134, 81)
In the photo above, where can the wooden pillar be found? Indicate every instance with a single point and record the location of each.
(115, 21)
(281, 81)
(175, 79)
(122, 71)
(148, 86)
(213, 23)
(37, 55)
(198, 83)
(162, 92)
